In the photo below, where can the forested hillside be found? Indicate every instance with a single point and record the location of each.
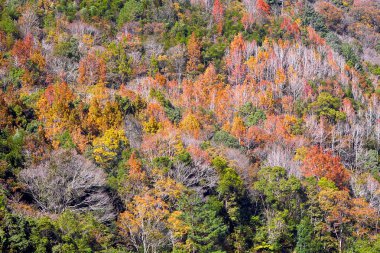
(190, 126)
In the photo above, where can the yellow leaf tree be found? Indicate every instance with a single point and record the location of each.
(238, 128)
(108, 147)
(191, 125)
(102, 116)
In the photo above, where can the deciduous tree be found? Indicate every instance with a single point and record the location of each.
(319, 163)
(66, 180)
(191, 125)
(336, 204)
(235, 60)
(92, 70)
(55, 110)
(217, 12)
(238, 128)
(108, 147)
(194, 54)
(144, 223)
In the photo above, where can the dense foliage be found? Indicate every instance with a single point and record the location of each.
(190, 126)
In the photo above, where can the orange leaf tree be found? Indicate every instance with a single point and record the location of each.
(194, 54)
(144, 223)
(55, 110)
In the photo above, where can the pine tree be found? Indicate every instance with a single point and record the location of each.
(305, 241)
(206, 228)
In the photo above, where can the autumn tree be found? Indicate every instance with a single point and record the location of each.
(331, 14)
(103, 112)
(217, 13)
(207, 91)
(152, 126)
(135, 168)
(238, 128)
(194, 54)
(365, 218)
(291, 27)
(55, 110)
(92, 70)
(263, 6)
(27, 56)
(235, 60)
(4, 111)
(22, 50)
(314, 36)
(336, 204)
(191, 125)
(143, 224)
(136, 178)
(319, 163)
(108, 147)
(102, 117)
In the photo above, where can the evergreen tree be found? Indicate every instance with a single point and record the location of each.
(206, 227)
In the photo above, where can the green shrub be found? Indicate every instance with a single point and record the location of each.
(334, 41)
(214, 52)
(69, 49)
(374, 69)
(350, 55)
(184, 157)
(131, 11)
(69, 8)
(224, 138)
(125, 105)
(312, 18)
(11, 155)
(173, 113)
(162, 162)
(252, 115)
(297, 128)
(65, 140)
(7, 24)
(232, 25)
(328, 106)
(219, 163)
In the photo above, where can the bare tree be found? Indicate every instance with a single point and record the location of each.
(152, 48)
(282, 156)
(199, 176)
(67, 180)
(28, 23)
(133, 131)
(177, 58)
(367, 187)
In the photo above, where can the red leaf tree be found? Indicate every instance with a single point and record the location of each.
(217, 13)
(319, 163)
